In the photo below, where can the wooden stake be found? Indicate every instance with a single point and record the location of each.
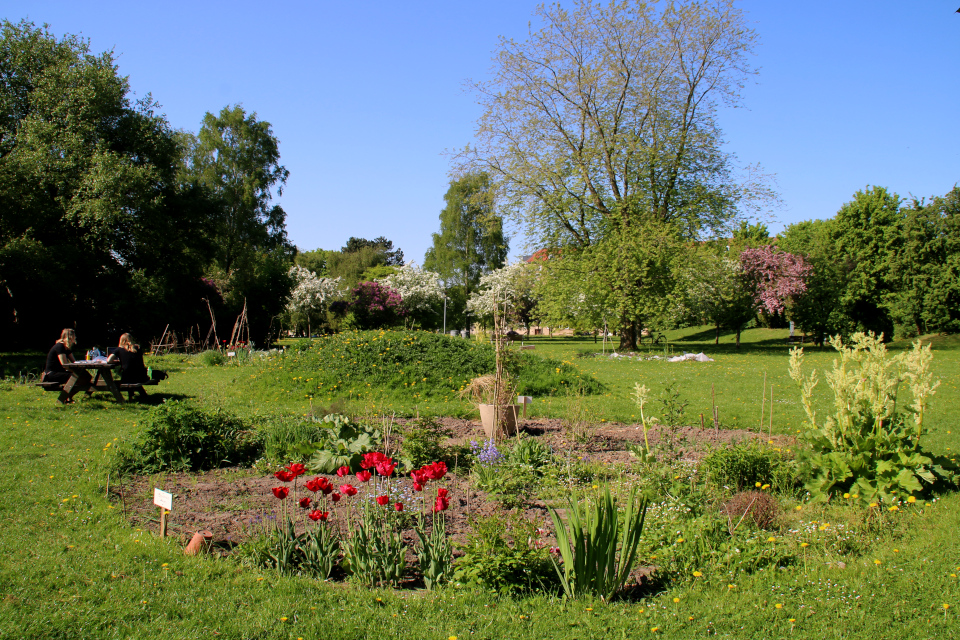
(771, 410)
(763, 398)
(163, 522)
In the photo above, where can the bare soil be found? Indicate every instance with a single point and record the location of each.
(235, 504)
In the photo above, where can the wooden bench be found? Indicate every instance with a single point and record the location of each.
(796, 339)
(132, 388)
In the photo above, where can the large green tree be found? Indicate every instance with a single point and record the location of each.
(96, 230)
(604, 122)
(235, 158)
(866, 236)
(470, 242)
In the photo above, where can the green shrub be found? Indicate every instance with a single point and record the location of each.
(423, 444)
(211, 358)
(741, 466)
(506, 555)
(178, 436)
(532, 453)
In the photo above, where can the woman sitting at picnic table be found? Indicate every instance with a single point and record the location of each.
(132, 369)
(59, 355)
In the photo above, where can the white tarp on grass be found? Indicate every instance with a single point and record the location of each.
(698, 357)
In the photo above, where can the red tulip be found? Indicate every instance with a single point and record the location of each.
(318, 515)
(335, 497)
(325, 486)
(436, 470)
(419, 477)
(398, 506)
(417, 486)
(304, 503)
(313, 485)
(442, 493)
(284, 476)
(343, 471)
(364, 476)
(383, 500)
(385, 467)
(281, 492)
(440, 504)
(348, 490)
(372, 459)
(297, 469)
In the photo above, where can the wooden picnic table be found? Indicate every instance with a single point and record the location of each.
(102, 378)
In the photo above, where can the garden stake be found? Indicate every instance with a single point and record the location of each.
(771, 409)
(107, 496)
(763, 398)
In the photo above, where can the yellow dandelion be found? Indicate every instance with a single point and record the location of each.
(731, 586)
(676, 600)
(804, 544)
(894, 508)
(847, 496)
(873, 504)
(757, 485)
(876, 562)
(679, 539)
(765, 487)
(654, 629)
(778, 606)
(771, 539)
(911, 499)
(697, 574)
(799, 507)
(283, 619)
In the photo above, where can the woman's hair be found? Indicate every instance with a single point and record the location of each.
(68, 337)
(126, 341)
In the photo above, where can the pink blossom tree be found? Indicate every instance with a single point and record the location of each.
(776, 276)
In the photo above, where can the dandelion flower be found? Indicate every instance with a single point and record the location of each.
(283, 619)
(697, 574)
(654, 629)
(771, 539)
(676, 600)
(778, 606)
(757, 485)
(894, 508)
(911, 499)
(876, 562)
(847, 496)
(804, 544)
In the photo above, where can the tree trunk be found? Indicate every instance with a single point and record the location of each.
(716, 339)
(738, 337)
(628, 336)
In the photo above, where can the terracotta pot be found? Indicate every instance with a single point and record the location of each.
(508, 420)
(199, 542)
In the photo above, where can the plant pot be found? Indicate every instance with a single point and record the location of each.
(199, 542)
(508, 420)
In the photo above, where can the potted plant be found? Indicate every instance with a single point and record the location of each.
(494, 400)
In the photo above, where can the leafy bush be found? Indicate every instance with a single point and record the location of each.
(747, 465)
(869, 446)
(506, 555)
(532, 453)
(211, 358)
(423, 364)
(181, 437)
(341, 443)
(423, 444)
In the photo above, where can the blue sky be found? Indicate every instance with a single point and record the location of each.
(366, 97)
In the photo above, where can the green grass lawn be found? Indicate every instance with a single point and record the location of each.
(74, 568)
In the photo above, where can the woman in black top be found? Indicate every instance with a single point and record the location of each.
(131, 360)
(62, 354)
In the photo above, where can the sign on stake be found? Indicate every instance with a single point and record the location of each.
(163, 500)
(524, 400)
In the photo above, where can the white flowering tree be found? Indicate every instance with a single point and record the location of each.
(420, 289)
(310, 295)
(509, 289)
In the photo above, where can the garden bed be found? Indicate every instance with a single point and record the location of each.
(236, 503)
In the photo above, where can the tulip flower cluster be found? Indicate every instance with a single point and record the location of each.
(381, 524)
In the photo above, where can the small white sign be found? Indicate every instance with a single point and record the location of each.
(524, 399)
(231, 354)
(163, 499)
